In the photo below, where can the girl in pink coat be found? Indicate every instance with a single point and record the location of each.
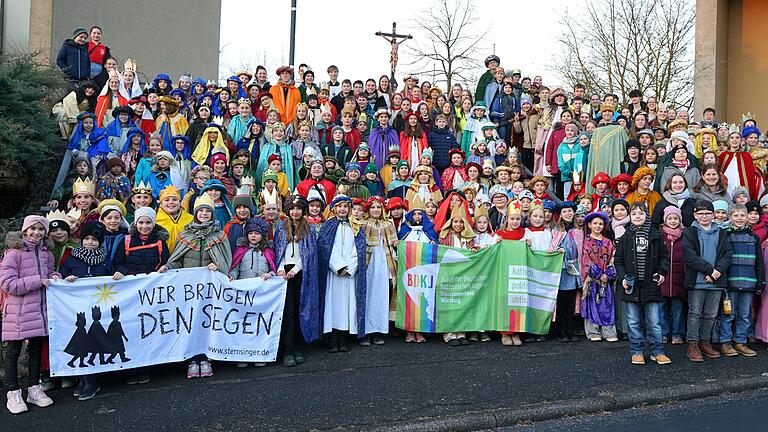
(25, 273)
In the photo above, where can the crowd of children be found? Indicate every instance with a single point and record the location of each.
(659, 218)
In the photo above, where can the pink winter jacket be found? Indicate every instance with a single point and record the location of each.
(24, 305)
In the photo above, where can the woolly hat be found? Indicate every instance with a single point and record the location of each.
(394, 150)
(371, 169)
(497, 190)
(337, 128)
(95, 229)
(144, 212)
(257, 224)
(353, 166)
(427, 152)
(297, 201)
(396, 202)
(572, 126)
(165, 154)
(567, 204)
(642, 172)
(78, 31)
(648, 132)
(601, 177)
(626, 178)
(33, 219)
(274, 157)
(525, 194)
(243, 200)
(623, 203)
(115, 161)
(632, 142)
(764, 200)
(752, 205)
(739, 190)
(670, 210)
(721, 205)
(403, 163)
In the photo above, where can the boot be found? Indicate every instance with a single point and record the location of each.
(744, 350)
(333, 343)
(707, 350)
(694, 353)
(728, 351)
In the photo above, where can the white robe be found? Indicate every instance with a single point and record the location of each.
(340, 302)
(417, 234)
(377, 293)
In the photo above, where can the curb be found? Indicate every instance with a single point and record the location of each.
(495, 418)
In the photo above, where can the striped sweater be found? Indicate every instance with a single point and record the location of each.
(742, 273)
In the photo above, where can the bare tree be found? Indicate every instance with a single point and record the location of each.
(447, 40)
(615, 46)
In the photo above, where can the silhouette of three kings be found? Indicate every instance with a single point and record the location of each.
(96, 341)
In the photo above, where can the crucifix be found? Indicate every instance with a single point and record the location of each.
(395, 40)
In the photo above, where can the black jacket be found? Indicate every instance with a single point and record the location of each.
(441, 141)
(146, 259)
(695, 264)
(657, 219)
(657, 261)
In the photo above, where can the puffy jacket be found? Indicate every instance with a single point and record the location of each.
(657, 261)
(673, 284)
(21, 271)
(74, 61)
(143, 256)
(441, 141)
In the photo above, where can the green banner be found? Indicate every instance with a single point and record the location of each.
(505, 287)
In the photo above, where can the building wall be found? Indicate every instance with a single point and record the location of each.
(731, 58)
(747, 60)
(170, 36)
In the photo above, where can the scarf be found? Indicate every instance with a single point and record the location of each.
(672, 234)
(677, 198)
(682, 165)
(619, 226)
(91, 257)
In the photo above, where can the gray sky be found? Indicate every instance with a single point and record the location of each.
(341, 32)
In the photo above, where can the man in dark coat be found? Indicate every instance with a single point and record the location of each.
(73, 57)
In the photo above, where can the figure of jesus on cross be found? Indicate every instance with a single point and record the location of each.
(395, 40)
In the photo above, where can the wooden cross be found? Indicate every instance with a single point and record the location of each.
(394, 40)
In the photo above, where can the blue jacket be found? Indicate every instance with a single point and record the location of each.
(441, 141)
(74, 61)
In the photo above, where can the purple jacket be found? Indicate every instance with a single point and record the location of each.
(24, 306)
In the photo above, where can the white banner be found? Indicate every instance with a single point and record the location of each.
(101, 325)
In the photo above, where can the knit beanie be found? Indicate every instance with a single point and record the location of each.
(144, 212)
(33, 219)
(670, 210)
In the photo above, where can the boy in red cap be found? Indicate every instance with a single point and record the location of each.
(601, 182)
(396, 208)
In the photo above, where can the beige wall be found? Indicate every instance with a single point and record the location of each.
(171, 36)
(731, 58)
(747, 60)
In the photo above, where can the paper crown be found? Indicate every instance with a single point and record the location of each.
(219, 120)
(480, 211)
(417, 203)
(130, 65)
(537, 203)
(57, 215)
(747, 116)
(243, 100)
(204, 200)
(514, 207)
(113, 74)
(84, 186)
(242, 190)
(247, 181)
(142, 188)
(734, 129)
(324, 108)
(458, 212)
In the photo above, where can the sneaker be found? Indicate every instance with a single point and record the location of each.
(366, 341)
(661, 359)
(299, 357)
(638, 359)
(68, 382)
(595, 338)
(15, 402)
(378, 340)
(473, 337)
(88, 393)
(36, 396)
(744, 350)
(484, 337)
(242, 364)
(728, 351)
(205, 369)
(259, 364)
(133, 378)
(506, 340)
(193, 371)
(612, 339)
(78, 388)
(541, 338)
(677, 340)
(47, 383)
(143, 376)
(289, 361)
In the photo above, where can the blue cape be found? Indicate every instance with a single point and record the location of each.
(142, 146)
(427, 226)
(97, 138)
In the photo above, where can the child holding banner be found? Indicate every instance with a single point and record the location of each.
(597, 269)
(457, 232)
(25, 272)
(89, 259)
(201, 244)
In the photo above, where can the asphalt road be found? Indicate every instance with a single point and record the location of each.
(371, 386)
(746, 411)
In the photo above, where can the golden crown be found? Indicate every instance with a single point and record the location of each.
(247, 181)
(84, 186)
(142, 188)
(204, 200)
